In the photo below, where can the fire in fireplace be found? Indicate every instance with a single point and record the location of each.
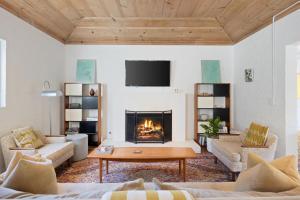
(147, 127)
(149, 130)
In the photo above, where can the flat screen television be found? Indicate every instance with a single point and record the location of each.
(147, 73)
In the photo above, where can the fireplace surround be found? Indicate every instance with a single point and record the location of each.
(148, 126)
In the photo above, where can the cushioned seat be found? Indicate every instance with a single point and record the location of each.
(55, 150)
(231, 149)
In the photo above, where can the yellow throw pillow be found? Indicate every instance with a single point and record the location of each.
(148, 195)
(158, 185)
(264, 177)
(256, 135)
(26, 138)
(287, 164)
(37, 177)
(137, 184)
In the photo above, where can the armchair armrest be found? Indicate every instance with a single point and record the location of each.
(20, 148)
(26, 151)
(56, 139)
(266, 152)
(245, 146)
(55, 136)
(230, 138)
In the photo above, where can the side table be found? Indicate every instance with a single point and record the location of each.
(80, 142)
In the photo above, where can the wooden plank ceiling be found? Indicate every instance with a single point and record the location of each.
(147, 21)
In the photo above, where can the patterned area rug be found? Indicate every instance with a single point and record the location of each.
(202, 169)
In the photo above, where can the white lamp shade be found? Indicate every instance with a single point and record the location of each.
(51, 93)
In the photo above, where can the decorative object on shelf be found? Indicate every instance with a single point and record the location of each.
(249, 75)
(72, 131)
(75, 105)
(205, 94)
(86, 71)
(92, 92)
(210, 70)
(48, 92)
(203, 117)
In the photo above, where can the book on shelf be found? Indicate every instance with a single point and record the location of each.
(105, 149)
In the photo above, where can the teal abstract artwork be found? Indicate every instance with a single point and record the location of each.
(86, 71)
(210, 70)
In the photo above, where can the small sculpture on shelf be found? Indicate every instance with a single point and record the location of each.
(92, 92)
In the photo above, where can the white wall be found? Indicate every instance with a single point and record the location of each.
(32, 57)
(253, 101)
(185, 71)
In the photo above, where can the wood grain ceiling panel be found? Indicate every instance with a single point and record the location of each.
(65, 8)
(130, 22)
(148, 21)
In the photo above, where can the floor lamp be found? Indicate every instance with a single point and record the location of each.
(48, 92)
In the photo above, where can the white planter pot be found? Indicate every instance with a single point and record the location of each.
(208, 144)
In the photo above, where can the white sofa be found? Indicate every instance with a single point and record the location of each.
(228, 149)
(200, 191)
(55, 149)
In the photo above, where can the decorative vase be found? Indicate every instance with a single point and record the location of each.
(92, 92)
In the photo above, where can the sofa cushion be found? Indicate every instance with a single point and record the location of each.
(264, 177)
(137, 184)
(148, 195)
(256, 135)
(287, 164)
(33, 176)
(230, 149)
(15, 160)
(26, 138)
(54, 151)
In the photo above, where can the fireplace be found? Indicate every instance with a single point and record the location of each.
(148, 127)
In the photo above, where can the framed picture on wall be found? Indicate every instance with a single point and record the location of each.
(86, 71)
(249, 75)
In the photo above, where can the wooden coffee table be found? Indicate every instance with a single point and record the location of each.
(148, 154)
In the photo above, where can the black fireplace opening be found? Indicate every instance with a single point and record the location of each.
(148, 126)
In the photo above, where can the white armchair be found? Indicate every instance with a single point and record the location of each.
(55, 149)
(229, 150)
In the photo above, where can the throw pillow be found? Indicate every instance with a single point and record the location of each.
(33, 177)
(256, 135)
(148, 195)
(15, 160)
(264, 177)
(137, 184)
(42, 137)
(26, 138)
(287, 164)
(158, 185)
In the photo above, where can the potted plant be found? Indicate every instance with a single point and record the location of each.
(211, 131)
